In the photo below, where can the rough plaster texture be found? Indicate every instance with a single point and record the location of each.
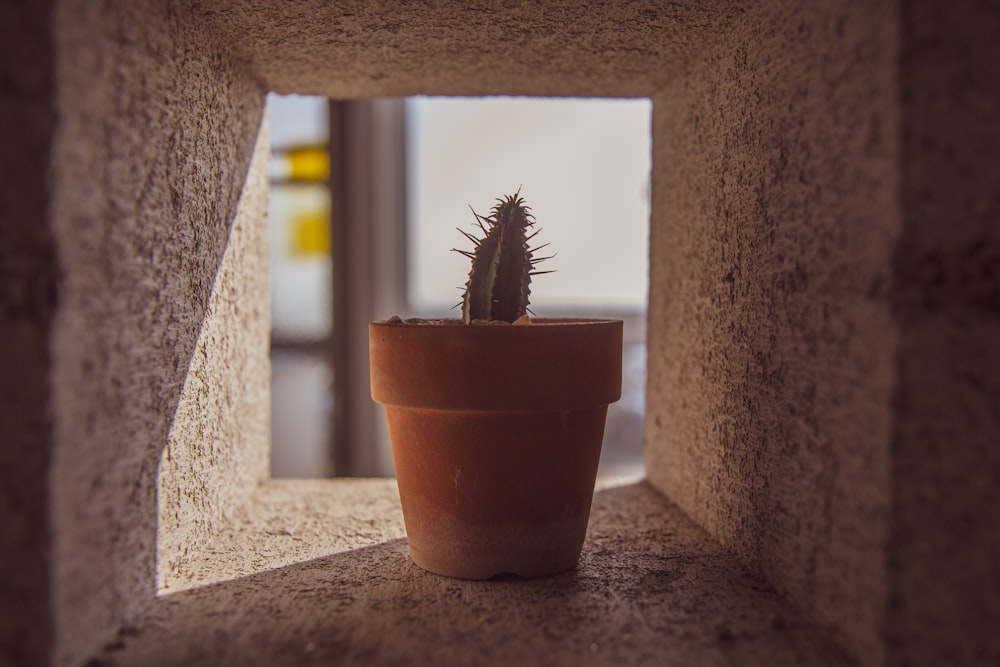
(389, 49)
(771, 341)
(823, 316)
(823, 256)
(946, 297)
(27, 294)
(156, 131)
(331, 582)
(217, 448)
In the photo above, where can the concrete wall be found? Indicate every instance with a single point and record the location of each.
(945, 530)
(27, 305)
(823, 371)
(822, 374)
(217, 448)
(157, 126)
(771, 340)
(475, 47)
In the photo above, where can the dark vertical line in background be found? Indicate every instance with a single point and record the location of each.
(351, 190)
(395, 169)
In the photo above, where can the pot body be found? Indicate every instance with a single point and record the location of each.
(496, 436)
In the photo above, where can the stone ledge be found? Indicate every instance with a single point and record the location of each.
(292, 521)
(318, 573)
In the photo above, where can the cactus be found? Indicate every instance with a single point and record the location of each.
(502, 263)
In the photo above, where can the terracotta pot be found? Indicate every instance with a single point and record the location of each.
(496, 435)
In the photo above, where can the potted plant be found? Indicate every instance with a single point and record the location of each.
(496, 420)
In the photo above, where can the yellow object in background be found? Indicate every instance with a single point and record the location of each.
(308, 163)
(310, 234)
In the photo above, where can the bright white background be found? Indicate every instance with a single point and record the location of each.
(583, 166)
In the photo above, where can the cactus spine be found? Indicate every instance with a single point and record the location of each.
(502, 263)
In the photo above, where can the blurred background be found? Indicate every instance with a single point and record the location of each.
(365, 199)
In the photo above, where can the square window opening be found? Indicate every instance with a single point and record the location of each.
(367, 194)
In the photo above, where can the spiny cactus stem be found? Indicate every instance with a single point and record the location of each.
(502, 263)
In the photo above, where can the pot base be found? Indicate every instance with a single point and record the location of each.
(485, 552)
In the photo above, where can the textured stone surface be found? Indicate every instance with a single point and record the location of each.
(389, 49)
(217, 448)
(771, 339)
(945, 544)
(156, 131)
(293, 521)
(823, 317)
(322, 576)
(27, 303)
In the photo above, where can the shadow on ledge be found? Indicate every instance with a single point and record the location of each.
(651, 588)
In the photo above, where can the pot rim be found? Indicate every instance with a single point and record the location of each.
(490, 324)
(551, 364)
